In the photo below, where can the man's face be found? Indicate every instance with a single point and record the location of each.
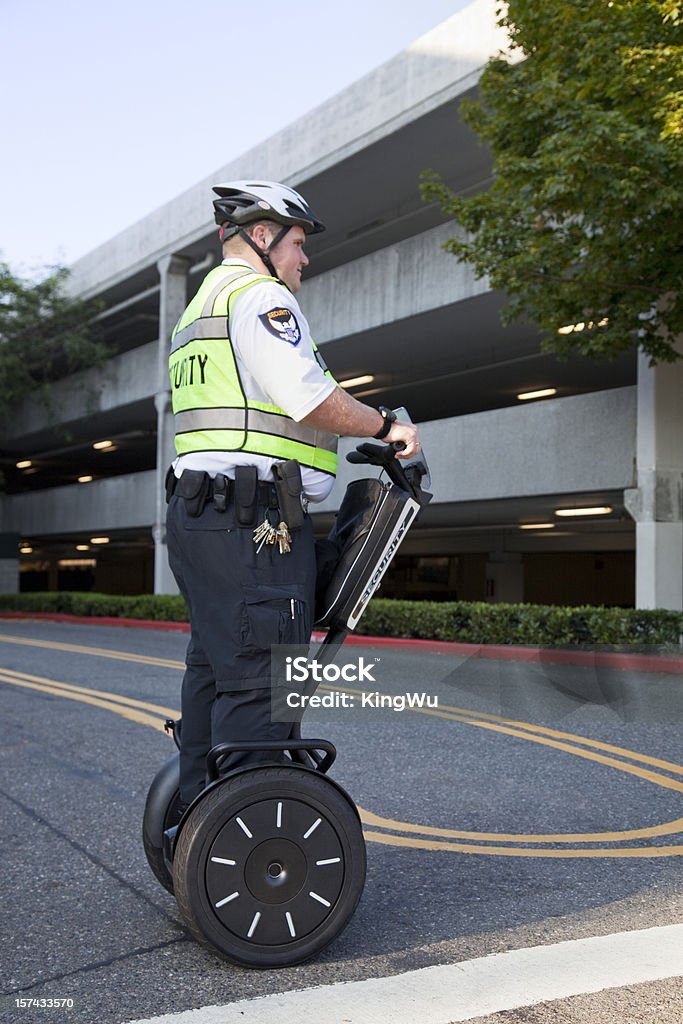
(289, 258)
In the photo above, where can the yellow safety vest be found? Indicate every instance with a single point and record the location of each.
(211, 410)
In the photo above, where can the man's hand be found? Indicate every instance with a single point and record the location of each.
(407, 434)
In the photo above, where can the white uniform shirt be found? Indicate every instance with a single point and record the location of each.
(272, 343)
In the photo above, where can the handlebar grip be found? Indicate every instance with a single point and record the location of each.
(357, 458)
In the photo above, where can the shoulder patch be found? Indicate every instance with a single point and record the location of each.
(283, 324)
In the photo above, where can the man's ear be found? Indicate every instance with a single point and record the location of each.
(260, 236)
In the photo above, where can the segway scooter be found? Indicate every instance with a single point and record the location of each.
(268, 863)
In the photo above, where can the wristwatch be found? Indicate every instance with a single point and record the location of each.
(389, 417)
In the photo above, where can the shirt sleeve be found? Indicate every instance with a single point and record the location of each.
(272, 339)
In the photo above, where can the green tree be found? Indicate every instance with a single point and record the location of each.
(583, 223)
(44, 334)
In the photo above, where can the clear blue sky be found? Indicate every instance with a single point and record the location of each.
(110, 110)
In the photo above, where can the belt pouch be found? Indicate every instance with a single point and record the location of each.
(246, 495)
(193, 488)
(220, 492)
(169, 484)
(289, 489)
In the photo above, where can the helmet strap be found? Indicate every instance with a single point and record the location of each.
(264, 254)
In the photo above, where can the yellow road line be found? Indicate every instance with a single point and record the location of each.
(468, 716)
(112, 697)
(589, 755)
(124, 712)
(582, 740)
(100, 652)
(668, 828)
(523, 851)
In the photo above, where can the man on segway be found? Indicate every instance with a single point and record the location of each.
(257, 416)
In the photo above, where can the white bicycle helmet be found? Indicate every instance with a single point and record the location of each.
(242, 202)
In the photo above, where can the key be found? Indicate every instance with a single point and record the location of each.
(262, 531)
(264, 534)
(284, 538)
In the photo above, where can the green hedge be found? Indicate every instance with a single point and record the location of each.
(543, 625)
(464, 621)
(159, 608)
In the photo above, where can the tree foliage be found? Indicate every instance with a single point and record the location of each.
(583, 223)
(44, 335)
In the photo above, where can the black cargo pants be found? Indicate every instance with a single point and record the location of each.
(241, 602)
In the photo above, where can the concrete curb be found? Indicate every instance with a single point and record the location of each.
(497, 652)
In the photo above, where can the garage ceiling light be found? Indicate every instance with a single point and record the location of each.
(102, 446)
(537, 526)
(525, 396)
(599, 510)
(99, 540)
(84, 479)
(572, 328)
(24, 464)
(354, 382)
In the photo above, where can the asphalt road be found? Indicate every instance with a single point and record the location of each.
(537, 803)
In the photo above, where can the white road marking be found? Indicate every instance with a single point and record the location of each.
(473, 988)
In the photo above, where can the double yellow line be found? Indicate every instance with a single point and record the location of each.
(126, 707)
(393, 832)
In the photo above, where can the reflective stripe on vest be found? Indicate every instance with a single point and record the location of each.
(211, 411)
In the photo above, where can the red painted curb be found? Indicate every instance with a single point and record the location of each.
(499, 652)
(94, 620)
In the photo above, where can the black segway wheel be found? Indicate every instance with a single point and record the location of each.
(269, 866)
(161, 812)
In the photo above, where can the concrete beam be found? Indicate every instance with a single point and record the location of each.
(125, 379)
(439, 66)
(548, 447)
(403, 280)
(118, 503)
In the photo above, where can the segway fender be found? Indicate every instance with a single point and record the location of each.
(161, 807)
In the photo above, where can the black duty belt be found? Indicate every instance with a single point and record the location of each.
(245, 492)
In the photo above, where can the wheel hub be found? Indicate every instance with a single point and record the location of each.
(275, 871)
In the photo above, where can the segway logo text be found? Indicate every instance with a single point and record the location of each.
(300, 670)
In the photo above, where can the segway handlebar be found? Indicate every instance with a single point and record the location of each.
(218, 753)
(409, 478)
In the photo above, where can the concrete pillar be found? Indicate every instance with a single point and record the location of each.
(9, 563)
(504, 578)
(172, 302)
(656, 504)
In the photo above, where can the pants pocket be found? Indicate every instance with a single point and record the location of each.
(274, 615)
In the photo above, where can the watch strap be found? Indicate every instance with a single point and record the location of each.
(389, 417)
